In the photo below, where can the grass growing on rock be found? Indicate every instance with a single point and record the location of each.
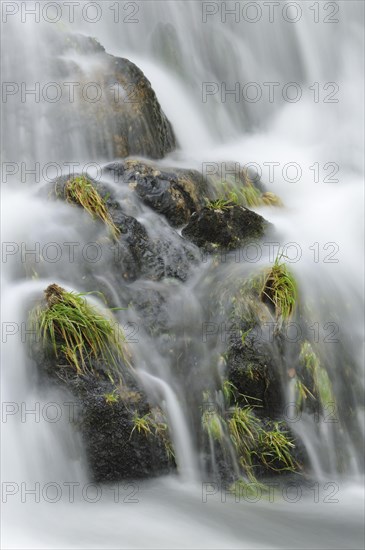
(254, 441)
(220, 204)
(277, 448)
(280, 289)
(321, 381)
(79, 190)
(142, 424)
(214, 425)
(244, 429)
(244, 195)
(302, 393)
(78, 331)
(153, 424)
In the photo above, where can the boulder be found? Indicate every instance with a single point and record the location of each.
(125, 435)
(114, 103)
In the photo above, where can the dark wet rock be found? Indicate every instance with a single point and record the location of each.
(105, 412)
(175, 193)
(134, 253)
(119, 113)
(115, 451)
(253, 366)
(225, 228)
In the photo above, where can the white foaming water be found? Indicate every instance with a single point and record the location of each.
(172, 512)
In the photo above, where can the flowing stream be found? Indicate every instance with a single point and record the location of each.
(322, 220)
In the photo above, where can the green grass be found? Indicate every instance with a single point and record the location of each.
(153, 424)
(142, 424)
(219, 204)
(244, 429)
(280, 288)
(276, 449)
(273, 447)
(302, 393)
(214, 425)
(244, 335)
(321, 381)
(111, 397)
(270, 199)
(246, 195)
(229, 392)
(78, 331)
(79, 190)
(254, 442)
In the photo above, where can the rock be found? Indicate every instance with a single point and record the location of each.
(125, 435)
(226, 228)
(115, 450)
(174, 193)
(134, 253)
(253, 370)
(114, 103)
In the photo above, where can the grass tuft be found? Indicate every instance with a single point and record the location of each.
(302, 393)
(244, 429)
(272, 447)
(270, 199)
(220, 204)
(321, 381)
(214, 425)
(111, 398)
(246, 195)
(142, 424)
(78, 331)
(154, 424)
(79, 190)
(276, 449)
(280, 289)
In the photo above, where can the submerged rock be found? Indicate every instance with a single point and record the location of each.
(226, 228)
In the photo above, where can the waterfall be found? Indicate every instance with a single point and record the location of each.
(309, 152)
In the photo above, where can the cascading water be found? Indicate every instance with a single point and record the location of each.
(179, 52)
